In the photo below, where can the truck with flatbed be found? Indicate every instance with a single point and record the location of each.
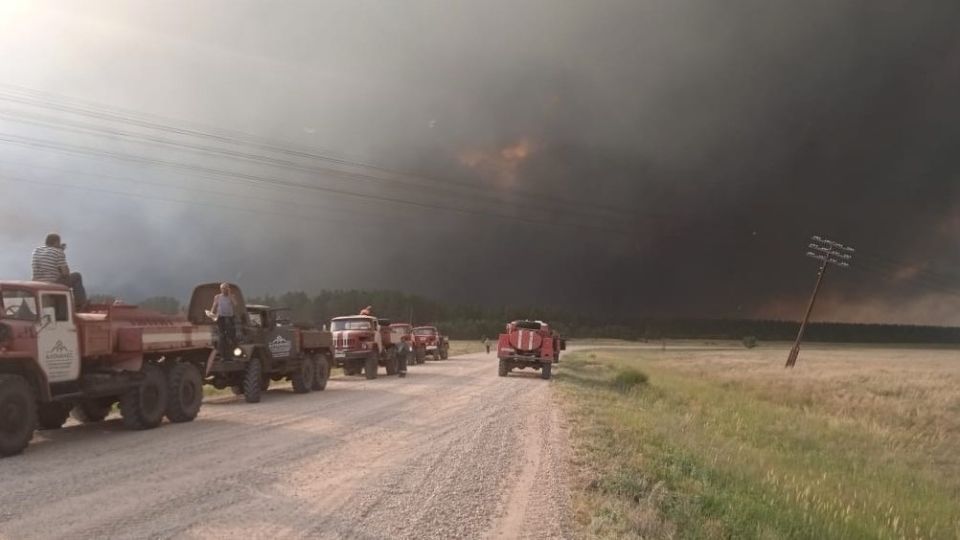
(529, 344)
(56, 361)
(268, 347)
(364, 343)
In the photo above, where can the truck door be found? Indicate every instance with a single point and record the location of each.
(58, 345)
(279, 338)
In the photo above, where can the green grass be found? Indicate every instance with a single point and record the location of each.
(703, 447)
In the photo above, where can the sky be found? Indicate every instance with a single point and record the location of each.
(664, 158)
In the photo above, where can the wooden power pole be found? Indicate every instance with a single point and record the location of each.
(828, 253)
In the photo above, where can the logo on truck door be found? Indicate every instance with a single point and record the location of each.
(280, 346)
(58, 361)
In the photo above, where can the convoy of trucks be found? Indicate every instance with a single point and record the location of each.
(57, 361)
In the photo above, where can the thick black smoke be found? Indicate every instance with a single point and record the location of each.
(634, 157)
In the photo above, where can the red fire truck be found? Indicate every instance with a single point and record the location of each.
(529, 344)
(54, 360)
(403, 334)
(433, 342)
(363, 342)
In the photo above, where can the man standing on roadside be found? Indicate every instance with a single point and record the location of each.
(49, 263)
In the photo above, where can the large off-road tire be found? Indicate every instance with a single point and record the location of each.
(421, 355)
(253, 380)
(370, 367)
(90, 411)
(303, 377)
(390, 364)
(143, 407)
(503, 369)
(321, 372)
(18, 414)
(52, 415)
(545, 371)
(444, 353)
(185, 392)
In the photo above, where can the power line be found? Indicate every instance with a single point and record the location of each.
(193, 189)
(86, 128)
(829, 253)
(50, 101)
(285, 215)
(263, 180)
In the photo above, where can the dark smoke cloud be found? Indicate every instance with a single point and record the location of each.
(713, 137)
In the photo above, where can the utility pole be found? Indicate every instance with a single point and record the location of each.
(828, 253)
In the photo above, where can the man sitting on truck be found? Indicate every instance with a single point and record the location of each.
(49, 263)
(367, 311)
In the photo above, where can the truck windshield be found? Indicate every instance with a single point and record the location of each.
(19, 305)
(351, 324)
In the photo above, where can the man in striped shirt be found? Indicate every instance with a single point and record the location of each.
(50, 265)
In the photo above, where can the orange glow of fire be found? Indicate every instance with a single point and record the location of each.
(503, 164)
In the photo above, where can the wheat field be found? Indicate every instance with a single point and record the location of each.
(718, 441)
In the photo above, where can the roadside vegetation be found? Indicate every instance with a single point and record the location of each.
(715, 442)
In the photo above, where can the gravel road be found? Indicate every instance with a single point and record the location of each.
(452, 451)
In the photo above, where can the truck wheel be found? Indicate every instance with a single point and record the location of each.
(18, 414)
(391, 363)
(303, 377)
(503, 369)
(52, 415)
(252, 380)
(370, 367)
(90, 411)
(143, 407)
(185, 392)
(545, 371)
(322, 372)
(444, 353)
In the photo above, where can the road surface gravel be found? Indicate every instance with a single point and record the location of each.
(451, 451)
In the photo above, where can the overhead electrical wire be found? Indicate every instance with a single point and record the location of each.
(61, 103)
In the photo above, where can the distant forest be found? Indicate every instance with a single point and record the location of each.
(472, 322)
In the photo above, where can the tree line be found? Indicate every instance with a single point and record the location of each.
(462, 321)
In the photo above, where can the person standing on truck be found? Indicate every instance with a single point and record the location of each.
(224, 310)
(367, 311)
(49, 263)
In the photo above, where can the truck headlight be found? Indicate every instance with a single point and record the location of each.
(238, 352)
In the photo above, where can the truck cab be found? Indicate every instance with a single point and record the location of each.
(402, 334)
(432, 341)
(362, 343)
(39, 336)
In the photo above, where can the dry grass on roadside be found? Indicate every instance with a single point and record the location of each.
(854, 443)
(462, 346)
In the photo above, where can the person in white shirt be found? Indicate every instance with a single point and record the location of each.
(224, 310)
